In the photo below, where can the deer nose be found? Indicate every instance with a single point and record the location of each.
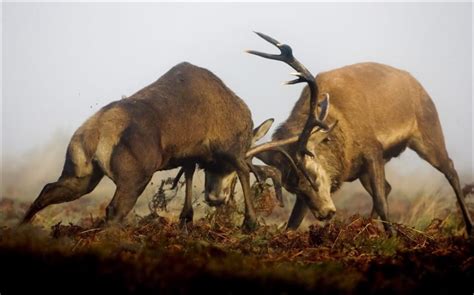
(215, 203)
(214, 200)
(328, 214)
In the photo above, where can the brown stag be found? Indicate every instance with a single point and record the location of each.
(187, 117)
(377, 111)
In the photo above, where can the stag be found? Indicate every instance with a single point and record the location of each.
(186, 117)
(377, 111)
(380, 111)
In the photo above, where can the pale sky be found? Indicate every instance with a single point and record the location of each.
(62, 62)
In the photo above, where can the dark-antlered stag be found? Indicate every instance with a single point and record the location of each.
(376, 112)
(187, 117)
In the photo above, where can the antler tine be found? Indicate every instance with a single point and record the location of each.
(267, 55)
(286, 55)
(268, 38)
(295, 81)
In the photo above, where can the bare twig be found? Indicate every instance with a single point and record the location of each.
(77, 244)
(361, 231)
(296, 254)
(337, 238)
(91, 230)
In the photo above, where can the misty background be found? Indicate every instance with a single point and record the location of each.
(62, 62)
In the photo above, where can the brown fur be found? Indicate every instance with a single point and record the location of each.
(187, 117)
(380, 111)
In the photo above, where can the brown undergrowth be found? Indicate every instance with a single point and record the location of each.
(350, 255)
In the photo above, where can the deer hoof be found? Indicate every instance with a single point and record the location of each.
(249, 225)
(185, 224)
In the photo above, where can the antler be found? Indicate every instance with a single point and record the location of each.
(275, 145)
(281, 142)
(304, 75)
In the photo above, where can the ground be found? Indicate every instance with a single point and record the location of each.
(150, 253)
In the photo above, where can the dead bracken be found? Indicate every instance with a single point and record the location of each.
(152, 253)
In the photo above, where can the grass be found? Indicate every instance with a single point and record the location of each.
(351, 254)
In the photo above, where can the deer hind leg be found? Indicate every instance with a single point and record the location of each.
(437, 156)
(67, 188)
(131, 175)
(124, 199)
(186, 216)
(365, 181)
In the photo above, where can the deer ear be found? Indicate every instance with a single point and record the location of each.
(324, 105)
(320, 136)
(262, 129)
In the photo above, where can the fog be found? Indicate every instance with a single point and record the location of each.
(63, 62)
